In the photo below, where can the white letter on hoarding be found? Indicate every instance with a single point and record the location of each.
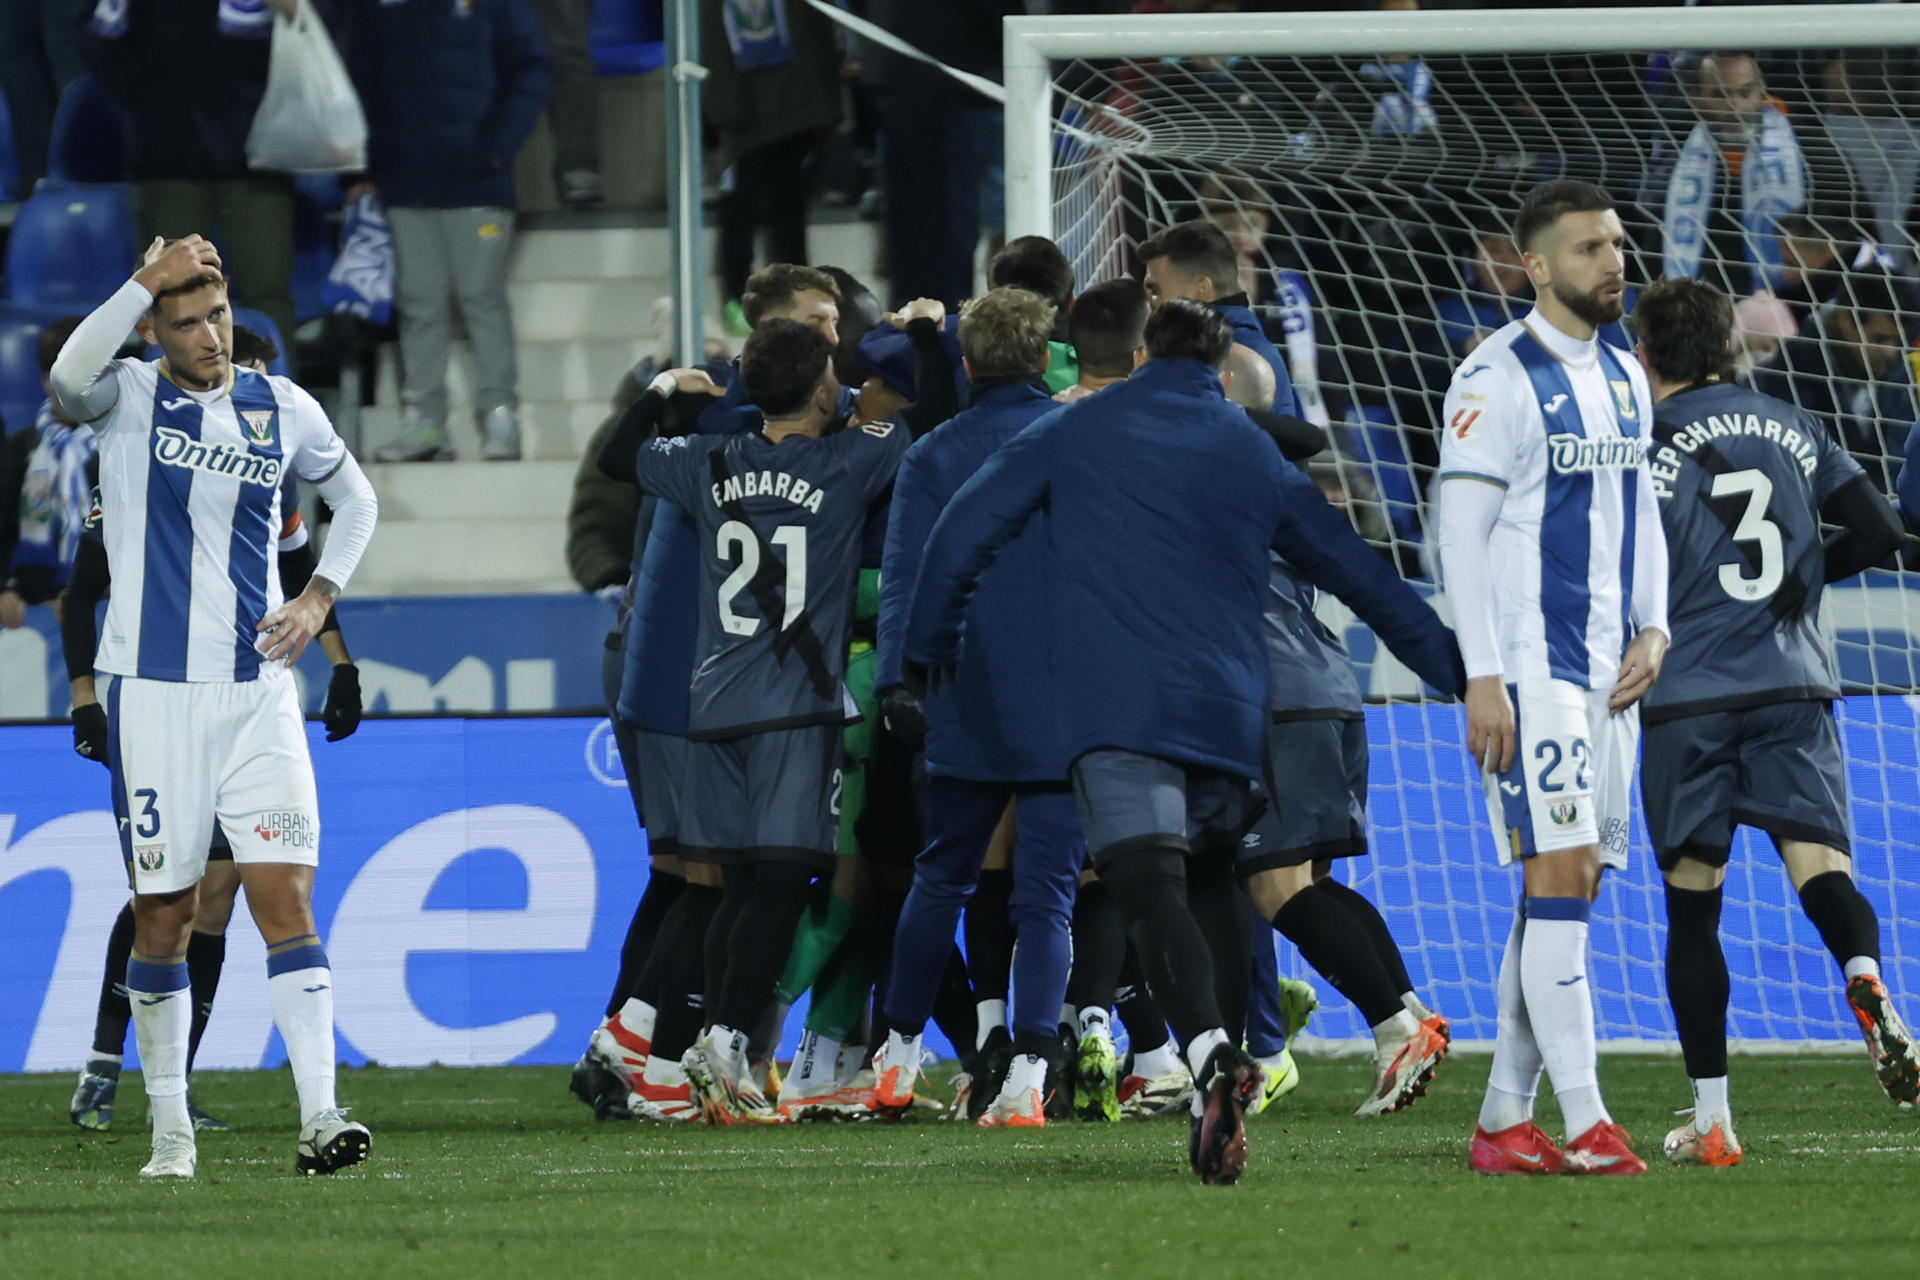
(383, 919)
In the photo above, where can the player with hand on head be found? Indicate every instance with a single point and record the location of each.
(1556, 569)
(93, 1098)
(1162, 503)
(204, 729)
(1740, 730)
(778, 515)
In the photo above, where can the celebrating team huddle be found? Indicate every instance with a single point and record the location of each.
(1022, 634)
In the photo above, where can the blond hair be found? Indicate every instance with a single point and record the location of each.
(1005, 332)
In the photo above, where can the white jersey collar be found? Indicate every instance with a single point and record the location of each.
(1579, 352)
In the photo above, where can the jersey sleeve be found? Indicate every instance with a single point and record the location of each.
(877, 448)
(1836, 468)
(314, 450)
(665, 468)
(1478, 425)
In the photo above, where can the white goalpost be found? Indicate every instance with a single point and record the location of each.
(1366, 166)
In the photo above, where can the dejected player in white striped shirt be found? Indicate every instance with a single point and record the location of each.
(204, 724)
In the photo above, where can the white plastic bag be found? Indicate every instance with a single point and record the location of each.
(310, 119)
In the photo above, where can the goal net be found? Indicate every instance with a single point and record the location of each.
(1368, 190)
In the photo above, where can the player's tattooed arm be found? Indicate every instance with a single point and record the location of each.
(286, 632)
(325, 588)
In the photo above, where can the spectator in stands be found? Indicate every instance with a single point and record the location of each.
(1404, 105)
(941, 162)
(1817, 249)
(1760, 324)
(190, 74)
(1741, 170)
(54, 496)
(1498, 289)
(40, 55)
(573, 113)
(772, 93)
(1850, 370)
(451, 92)
(1865, 98)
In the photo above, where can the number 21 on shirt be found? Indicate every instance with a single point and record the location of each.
(737, 541)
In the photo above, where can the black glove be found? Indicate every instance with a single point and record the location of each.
(90, 731)
(901, 712)
(341, 714)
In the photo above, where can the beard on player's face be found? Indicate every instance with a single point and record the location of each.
(1593, 306)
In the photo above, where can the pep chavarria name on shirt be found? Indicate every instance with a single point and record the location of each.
(1665, 465)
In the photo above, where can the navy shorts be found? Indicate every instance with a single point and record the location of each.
(1776, 768)
(1316, 791)
(764, 797)
(1128, 800)
(660, 763)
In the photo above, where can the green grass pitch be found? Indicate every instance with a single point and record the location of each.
(500, 1173)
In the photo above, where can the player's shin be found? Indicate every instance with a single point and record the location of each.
(1515, 1077)
(1698, 987)
(300, 990)
(162, 1017)
(1845, 920)
(1553, 974)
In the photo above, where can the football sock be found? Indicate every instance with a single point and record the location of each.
(1416, 1006)
(300, 990)
(115, 1011)
(1091, 1020)
(1099, 948)
(1146, 1022)
(681, 973)
(649, 914)
(206, 953)
(1266, 1029)
(1219, 909)
(1375, 926)
(1395, 1031)
(637, 1018)
(162, 1012)
(716, 947)
(1157, 1062)
(1338, 948)
(774, 895)
(987, 1014)
(1200, 1048)
(953, 1010)
(1515, 1077)
(1845, 920)
(1697, 984)
(822, 929)
(664, 1072)
(1710, 1103)
(990, 936)
(1150, 884)
(815, 1062)
(1027, 1072)
(1553, 973)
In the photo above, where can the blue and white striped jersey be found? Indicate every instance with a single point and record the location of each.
(190, 490)
(1562, 426)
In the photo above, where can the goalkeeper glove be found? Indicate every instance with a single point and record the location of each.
(341, 714)
(90, 731)
(901, 712)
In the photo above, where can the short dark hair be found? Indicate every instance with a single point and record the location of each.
(1181, 327)
(781, 365)
(52, 338)
(1033, 263)
(1686, 327)
(200, 281)
(1547, 203)
(249, 346)
(1107, 325)
(773, 287)
(1197, 248)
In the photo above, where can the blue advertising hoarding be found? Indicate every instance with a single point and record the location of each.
(477, 877)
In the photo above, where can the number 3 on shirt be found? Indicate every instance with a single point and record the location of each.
(737, 540)
(1753, 527)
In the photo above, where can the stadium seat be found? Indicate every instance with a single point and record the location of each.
(89, 142)
(20, 391)
(1375, 437)
(72, 245)
(628, 37)
(9, 158)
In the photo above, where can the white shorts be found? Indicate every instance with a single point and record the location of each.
(185, 756)
(1571, 782)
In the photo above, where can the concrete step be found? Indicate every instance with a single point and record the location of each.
(616, 307)
(472, 490)
(482, 554)
(550, 431)
(579, 370)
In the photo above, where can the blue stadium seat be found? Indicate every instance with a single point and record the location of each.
(9, 158)
(1375, 436)
(89, 142)
(72, 245)
(20, 391)
(628, 37)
